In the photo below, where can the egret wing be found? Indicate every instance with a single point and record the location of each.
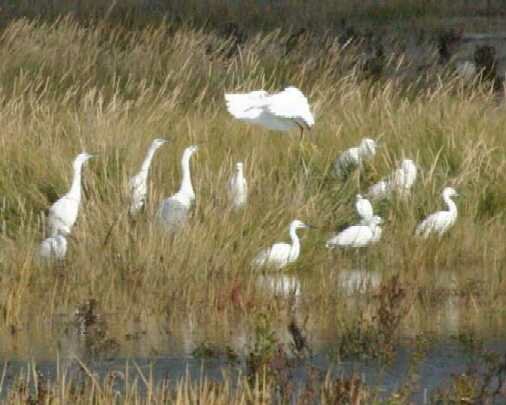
(246, 106)
(290, 103)
(173, 213)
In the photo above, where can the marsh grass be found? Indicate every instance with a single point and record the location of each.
(67, 87)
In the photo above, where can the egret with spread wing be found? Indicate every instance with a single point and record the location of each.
(279, 111)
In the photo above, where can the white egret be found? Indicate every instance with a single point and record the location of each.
(439, 222)
(63, 213)
(353, 157)
(281, 254)
(279, 111)
(54, 247)
(357, 236)
(400, 181)
(173, 211)
(138, 184)
(238, 187)
(364, 209)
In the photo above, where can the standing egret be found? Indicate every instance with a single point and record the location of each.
(353, 157)
(173, 211)
(439, 222)
(400, 181)
(279, 111)
(281, 254)
(357, 236)
(54, 247)
(138, 184)
(238, 187)
(364, 209)
(63, 213)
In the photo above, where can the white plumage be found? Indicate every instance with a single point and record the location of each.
(238, 187)
(353, 157)
(173, 211)
(63, 213)
(357, 236)
(54, 247)
(439, 222)
(138, 184)
(281, 254)
(400, 181)
(279, 111)
(364, 209)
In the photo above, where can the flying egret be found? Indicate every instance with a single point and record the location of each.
(281, 254)
(357, 236)
(400, 181)
(353, 157)
(279, 111)
(364, 209)
(54, 247)
(63, 213)
(138, 184)
(238, 187)
(439, 222)
(173, 211)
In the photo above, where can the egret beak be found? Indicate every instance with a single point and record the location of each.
(309, 226)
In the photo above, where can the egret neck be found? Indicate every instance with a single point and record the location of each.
(146, 164)
(186, 189)
(452, 207)
(295, 248)
(75, 190)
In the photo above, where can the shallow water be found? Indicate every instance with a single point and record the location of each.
(166, 349)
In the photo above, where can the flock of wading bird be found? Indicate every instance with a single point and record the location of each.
(281, 111)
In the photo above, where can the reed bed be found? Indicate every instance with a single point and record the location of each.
(67, 87)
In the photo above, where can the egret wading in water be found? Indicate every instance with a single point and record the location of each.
(400, 181)
(53, 248)
(279, 111)
(138, 184)
(173, 211)
(439, 222)
(281, 254)
(357, 236)
(63, 213)
(353, 157)
(364, 209)
(238, 187)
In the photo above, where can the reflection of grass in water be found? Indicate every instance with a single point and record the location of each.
(108, 90)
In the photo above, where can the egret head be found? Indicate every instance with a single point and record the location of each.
(450, 192)
(368, 145)
(81, 158)
(360, 197)
(297, 224)
(376, 220)
(190, 150)
(158, 142)
(239, 166)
